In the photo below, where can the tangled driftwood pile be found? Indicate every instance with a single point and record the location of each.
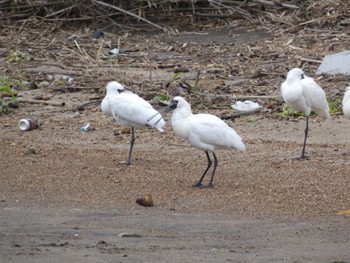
(127, 13)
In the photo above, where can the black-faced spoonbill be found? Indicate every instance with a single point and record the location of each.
(129, 109)
(302, 93)
(346, 102)
(203, 131)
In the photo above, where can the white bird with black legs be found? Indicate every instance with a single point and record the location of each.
(346, 102)
(302, 93)
(129, 109)
(203, 131)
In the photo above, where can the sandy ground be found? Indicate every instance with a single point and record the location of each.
(73, 198)
(32, 233)
(67, 195)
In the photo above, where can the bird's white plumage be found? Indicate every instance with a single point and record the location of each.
(302, 93)
(133, 111)
(112, 88)
(346, 102)
(128, 108)
(203, 131)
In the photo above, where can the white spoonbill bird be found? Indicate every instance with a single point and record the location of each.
(129, 109)
(302, 93)
(346, 102)
(203, 131)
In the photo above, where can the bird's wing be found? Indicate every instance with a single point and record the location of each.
(346, 98)
(206, 130)
(315, 97)
(132, 110)
(284, 90)
(292, 94)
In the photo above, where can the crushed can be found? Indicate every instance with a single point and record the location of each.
(28, 124)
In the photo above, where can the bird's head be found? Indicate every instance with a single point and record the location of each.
(114, 87)
(177, 102)
(295, 74)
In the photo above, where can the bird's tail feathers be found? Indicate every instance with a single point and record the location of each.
(325, 114)
(240, 146)
(157, 123)
(237, 142)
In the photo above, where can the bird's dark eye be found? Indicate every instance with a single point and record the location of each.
(302, 76)
(121, 90)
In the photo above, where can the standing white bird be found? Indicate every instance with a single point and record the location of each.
(203, 131)
(346, 102)
(129, 109)
(302, 93)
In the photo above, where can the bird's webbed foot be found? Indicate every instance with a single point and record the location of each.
(301, 158)
(210, 185)
(199, 185)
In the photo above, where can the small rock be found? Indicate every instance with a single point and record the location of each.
(97, 34)
(129, 235)
(30, 151)
(75, 114)
(215, 70)
(182, 70)
(44, 84)
(125, 130)
(116, 132)
(145, 200)
(13, 104)
(38, 97)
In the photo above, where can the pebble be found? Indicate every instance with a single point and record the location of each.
(215, 70)
(75, 115)
(30, 151)
(145, 200)
(129, 235)
(125, 130)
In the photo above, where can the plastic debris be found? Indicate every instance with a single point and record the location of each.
(56, 77)
(335, 64)
(115, 51)
(97, 34)
(246, 106)
(85, 127)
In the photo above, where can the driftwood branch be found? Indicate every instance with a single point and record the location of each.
(44, 102)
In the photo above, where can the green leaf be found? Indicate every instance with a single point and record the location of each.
(8, 90)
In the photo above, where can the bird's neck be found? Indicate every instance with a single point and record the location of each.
(105, 106)
(180, 115)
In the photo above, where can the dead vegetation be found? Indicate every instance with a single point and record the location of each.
(232, 49)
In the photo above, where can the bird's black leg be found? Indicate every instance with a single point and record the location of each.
(303, 157)
(132, 140)
(210, 185)
(199, 184)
